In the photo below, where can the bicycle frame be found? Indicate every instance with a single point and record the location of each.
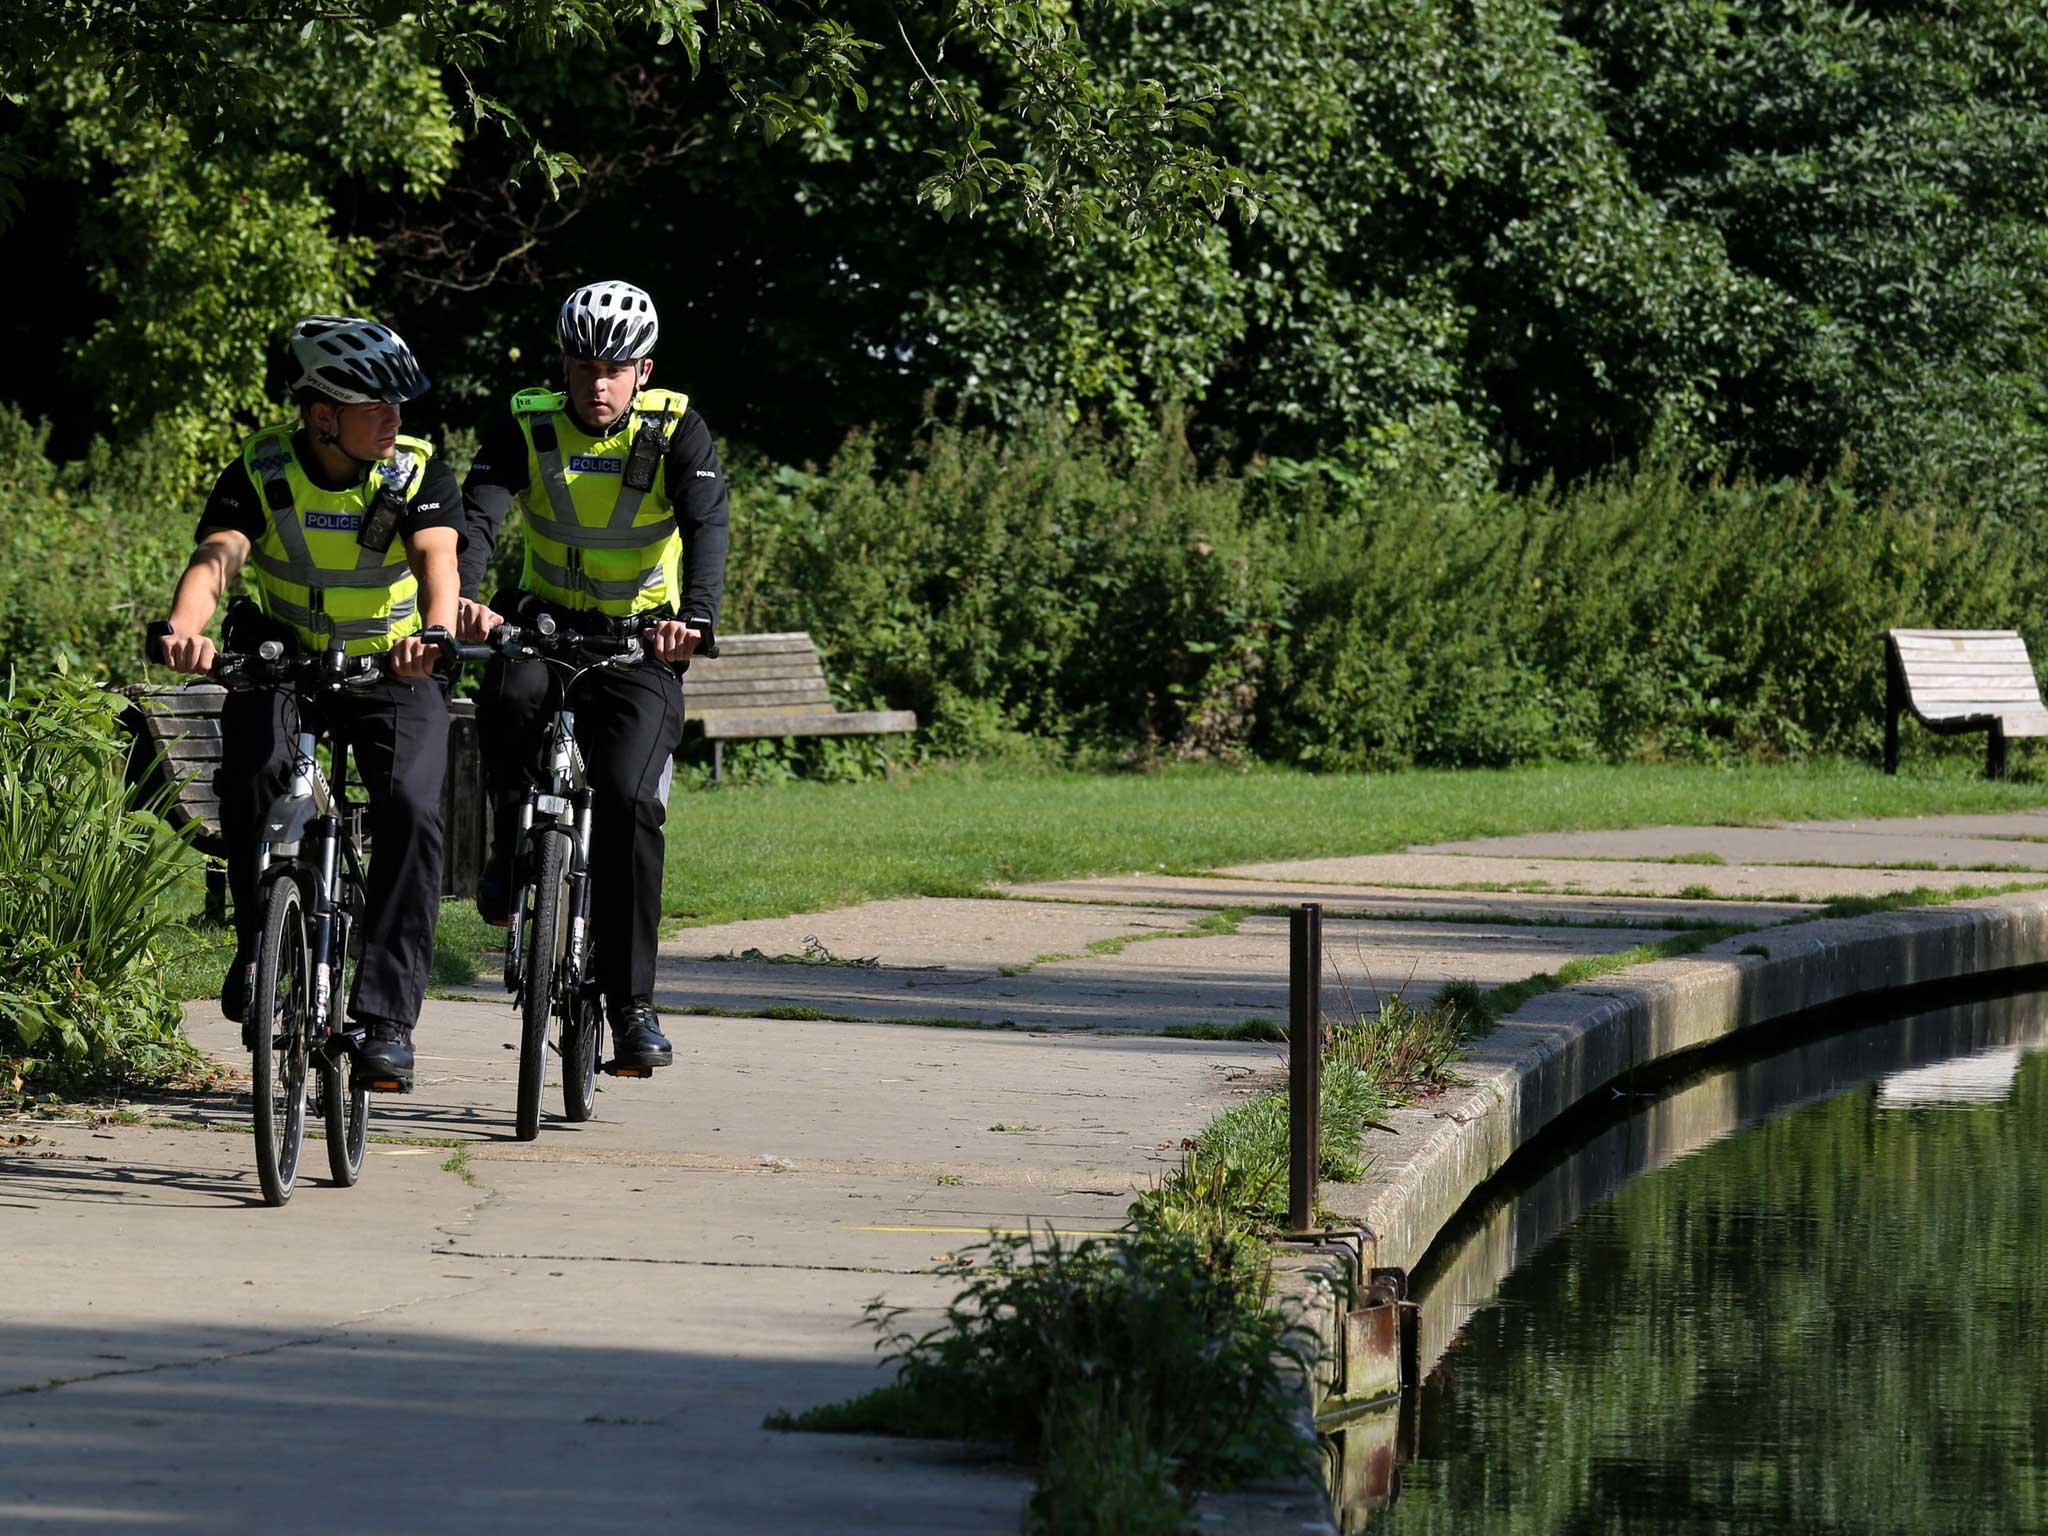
(310, 807)
(565, 803)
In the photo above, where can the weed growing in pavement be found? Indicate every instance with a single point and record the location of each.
(1235, 1175)
(1149, 1359)
(1260, 1030)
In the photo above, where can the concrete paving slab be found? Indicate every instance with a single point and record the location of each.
(932, 933)
(1404, 903)
(1732, 881)
(1814, 844)
(2024, 825)
(1188, 983)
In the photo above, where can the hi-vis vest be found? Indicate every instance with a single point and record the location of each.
(308, 567)
(592, 541)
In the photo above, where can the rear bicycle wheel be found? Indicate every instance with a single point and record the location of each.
(280, 1009)
(547, 948)
(344, 1102)
(580, 1032)
(345, 1105)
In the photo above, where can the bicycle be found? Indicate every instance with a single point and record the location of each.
(310, 891)
(559, 1006)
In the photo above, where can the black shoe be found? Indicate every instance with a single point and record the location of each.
(494, 898)
(234, 993)
(637, 1041)
(385, 1054)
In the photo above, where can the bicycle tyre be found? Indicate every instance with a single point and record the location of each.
(280, 1007)
(580, 1037)
(547, 946)
(345, 1105)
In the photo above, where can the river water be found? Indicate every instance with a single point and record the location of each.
(1807, 1293)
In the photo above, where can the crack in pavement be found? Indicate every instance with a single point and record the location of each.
(333, 1330)
(627, 1258)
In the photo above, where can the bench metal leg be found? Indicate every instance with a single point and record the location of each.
(1994, 755)
(216, 893)
(1894, 705)
(718, 762)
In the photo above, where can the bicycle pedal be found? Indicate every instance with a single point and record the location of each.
(613, 1069)
(388, 1084)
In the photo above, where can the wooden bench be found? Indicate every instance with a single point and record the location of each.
(762, 686)
(174, 735)
(1958, 680)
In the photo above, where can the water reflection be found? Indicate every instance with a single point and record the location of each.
(1823, 1322)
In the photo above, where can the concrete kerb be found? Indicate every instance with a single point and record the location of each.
(1561, 1048)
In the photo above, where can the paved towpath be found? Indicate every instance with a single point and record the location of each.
(586, 1331)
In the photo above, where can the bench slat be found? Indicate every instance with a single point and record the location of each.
(202, 700)
(877, 722)
(754, 685)
(2001, 651)
(755, 711)
(766, 645)
(760, 666)
(1977, 690)
(1964, 635)
(185, 750)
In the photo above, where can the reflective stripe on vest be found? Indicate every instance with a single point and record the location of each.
(291, 578)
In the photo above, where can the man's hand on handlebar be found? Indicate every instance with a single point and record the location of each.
(671, 640)
(474, 621)
(413, 657)
(186, 653)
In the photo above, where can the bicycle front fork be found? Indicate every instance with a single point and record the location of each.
(555, 807)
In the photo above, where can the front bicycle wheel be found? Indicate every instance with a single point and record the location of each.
(281, 1009)
(547, 951)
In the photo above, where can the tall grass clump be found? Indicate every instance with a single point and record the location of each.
(84, 868)
(1235, 1175)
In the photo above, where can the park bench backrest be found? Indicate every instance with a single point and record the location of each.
(1966, 674)
(756, 677)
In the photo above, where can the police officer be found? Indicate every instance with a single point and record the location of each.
(625, 509)
(303, 508)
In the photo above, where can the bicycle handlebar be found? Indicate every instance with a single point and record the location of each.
(270, 665)
(546, 638)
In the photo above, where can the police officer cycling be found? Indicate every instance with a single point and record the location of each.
(350, 531)
(626, 519)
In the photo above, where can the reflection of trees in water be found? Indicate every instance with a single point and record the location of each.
(1824, 1323)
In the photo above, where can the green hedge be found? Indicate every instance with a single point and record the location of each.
(1051, 586)
(1058, 592)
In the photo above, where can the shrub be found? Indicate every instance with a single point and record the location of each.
(83, 869)
(1159, 1332)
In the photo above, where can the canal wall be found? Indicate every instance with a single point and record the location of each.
(1560, 1050)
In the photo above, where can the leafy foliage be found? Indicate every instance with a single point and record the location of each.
(83, 870)
(1164, 1336)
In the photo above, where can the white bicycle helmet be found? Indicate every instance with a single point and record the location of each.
(351, 361)
(612, 322)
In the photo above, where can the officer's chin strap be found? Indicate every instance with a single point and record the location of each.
(333, 440)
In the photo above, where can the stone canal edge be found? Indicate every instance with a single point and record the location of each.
(1540, 1063)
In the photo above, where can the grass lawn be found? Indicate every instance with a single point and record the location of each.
(765, 852)
(735, 853)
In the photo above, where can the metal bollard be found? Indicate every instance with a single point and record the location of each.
(1304, 1062)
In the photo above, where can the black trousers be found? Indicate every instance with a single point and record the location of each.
(397, 736)
(629, 722)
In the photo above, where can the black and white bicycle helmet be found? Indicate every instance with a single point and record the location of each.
(351, 361)
(612, 322)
